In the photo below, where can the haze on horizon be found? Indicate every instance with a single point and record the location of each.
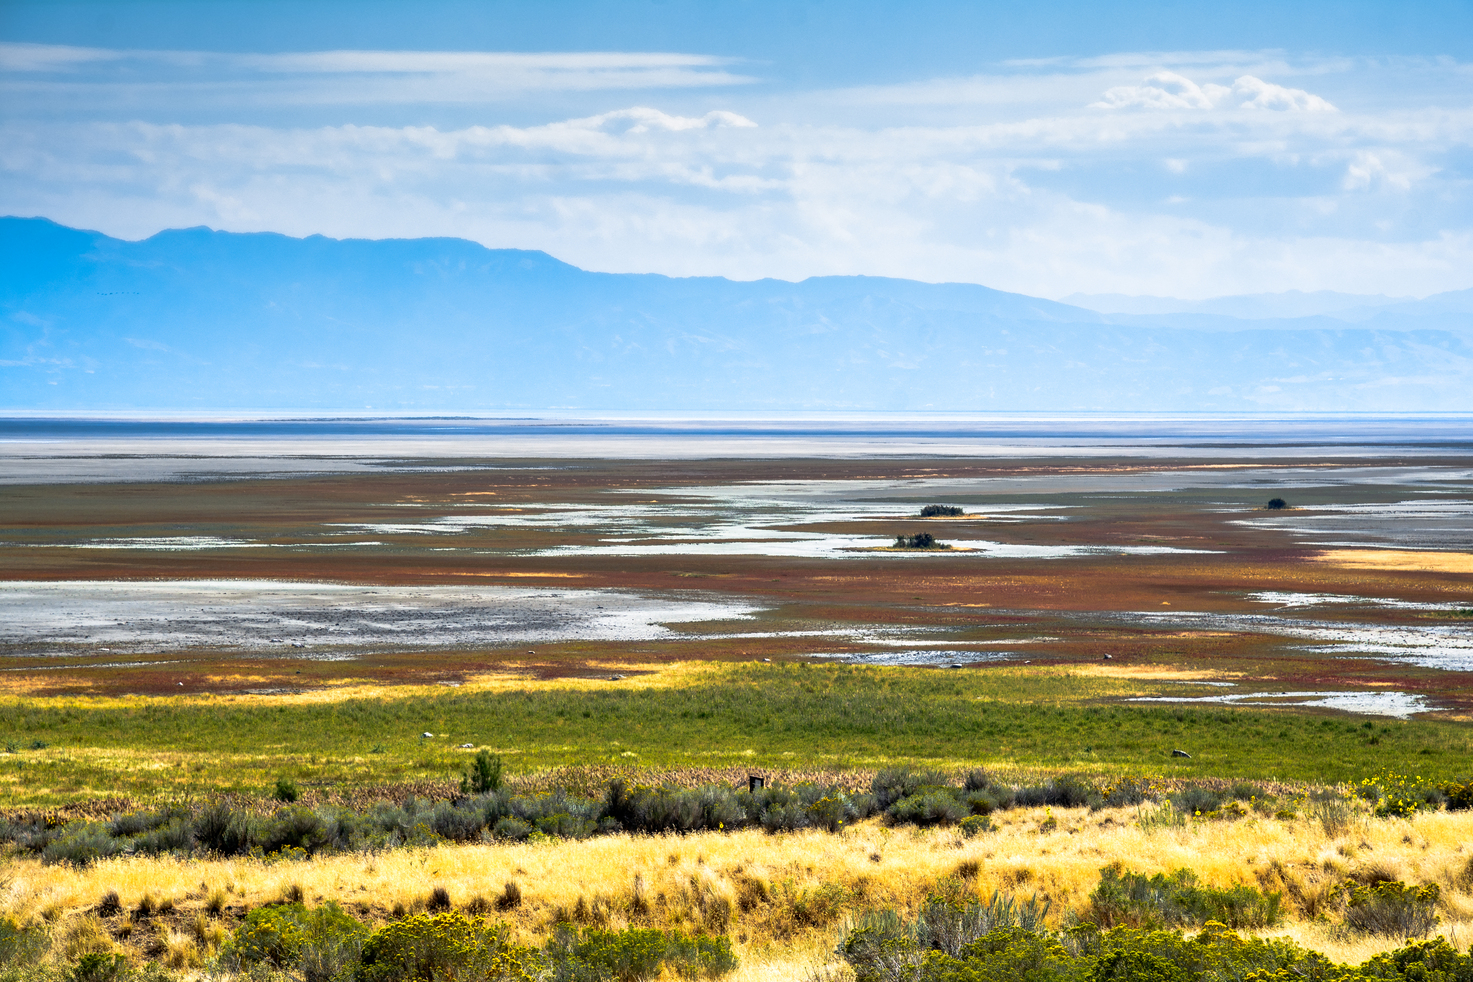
(1147, 149)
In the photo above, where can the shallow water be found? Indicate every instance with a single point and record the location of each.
(1427, 523)
(1448, 647)
(1400, 705)
(267, 615)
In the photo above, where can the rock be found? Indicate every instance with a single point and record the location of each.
(615, 678)
(1181, 753)
(1108, 657)
(767, 659)
(953, 666)
(467, 746)
(426, 736)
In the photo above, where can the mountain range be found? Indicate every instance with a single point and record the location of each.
(209, 320)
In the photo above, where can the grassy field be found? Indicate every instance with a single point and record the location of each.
(789, 716)
(784, 900)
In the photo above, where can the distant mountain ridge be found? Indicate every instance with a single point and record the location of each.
(1352, 308)
(195, 318)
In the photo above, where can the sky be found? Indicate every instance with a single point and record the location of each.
(1170, 149)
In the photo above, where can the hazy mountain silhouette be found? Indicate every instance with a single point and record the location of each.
(195, 318)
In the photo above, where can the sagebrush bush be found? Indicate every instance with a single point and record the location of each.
(963, 947)
(289, 936)
(1174, 899)
(932, 808)
(1391, 908)
(21, 946)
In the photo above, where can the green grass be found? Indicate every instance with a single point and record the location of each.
(793, 716)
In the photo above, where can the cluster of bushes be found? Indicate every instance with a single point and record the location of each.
(326, 944)
(1126, 899)
(921, 540)
(956, 938)
(941, 511)
(1391, 793)
(902, 796)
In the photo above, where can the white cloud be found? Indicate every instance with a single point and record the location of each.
(1383, 169)
(1199, 179)
(1253, 93)
(1163, 90)
(101, 77)
(1168, 90)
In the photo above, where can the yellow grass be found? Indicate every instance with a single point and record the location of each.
(754, 882)
(1399, 559)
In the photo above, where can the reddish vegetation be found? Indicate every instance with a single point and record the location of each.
(1007, 597)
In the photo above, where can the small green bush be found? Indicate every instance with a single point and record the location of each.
(634, 955)
(1168, 900)
(445, 946)
(98, 967)
(1459, 794)
(940, 511)
(1391, 908)
(21, 946)
(483, 776)
(974, 825)
(320, 942)
(285, 790)
(921, 540)
(932, 808)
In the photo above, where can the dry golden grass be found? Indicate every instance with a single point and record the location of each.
(784, 899)
(1413, 561)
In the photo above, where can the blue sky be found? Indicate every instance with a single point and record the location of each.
(1174, 149)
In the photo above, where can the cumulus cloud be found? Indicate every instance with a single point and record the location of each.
(1176, 181)
(1168, 90)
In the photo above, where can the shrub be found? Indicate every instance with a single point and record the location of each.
(635, 954)
(938, 511)
(894, 783)
(1065, 791)
(1429, 960)
(1125, 898)
(484, 774)
(82, 843)
(223, 829)
(294, 828)
(1275, 504)
(319, 943)
(428, 948)
(931, 808)
(285, 790)
(512, 828)
(1193, 800)
(20, 946)
(883, 945)
(458, 823)
(921, 540)
(974, 825)
(1391, 908)
(99, 967)
(1459, 794)
(1400, 795)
